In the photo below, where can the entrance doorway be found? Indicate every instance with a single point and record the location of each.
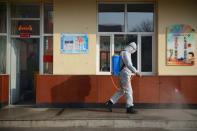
(24, 66)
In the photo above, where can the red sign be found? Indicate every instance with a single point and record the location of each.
(24, 35)
(48, 58)
(25, 28)
(25, 31)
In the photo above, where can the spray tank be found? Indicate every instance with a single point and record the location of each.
(116, 64)
(116, 67)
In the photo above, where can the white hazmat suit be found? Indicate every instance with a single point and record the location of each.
(125, 78)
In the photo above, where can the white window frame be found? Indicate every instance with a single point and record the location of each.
(139, 34)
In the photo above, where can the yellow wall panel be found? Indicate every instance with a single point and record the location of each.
(172, 12)
(75, 17)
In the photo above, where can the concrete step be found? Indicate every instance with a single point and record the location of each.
(167, 124)
(98, 118)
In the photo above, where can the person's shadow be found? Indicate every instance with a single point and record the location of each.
(71, 91)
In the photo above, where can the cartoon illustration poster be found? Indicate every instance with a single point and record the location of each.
(180, 45)
(74, 43)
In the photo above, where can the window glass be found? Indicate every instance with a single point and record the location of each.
(146, 53)
(104, 53)
(48, 54)
(111, 18)
(48, 18)
(25, 11)
(17, 24)
(3, 23)
(140, 17)
(3, 54)
(48, 40)
(120, 41)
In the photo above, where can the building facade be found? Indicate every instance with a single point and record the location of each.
(59, 53)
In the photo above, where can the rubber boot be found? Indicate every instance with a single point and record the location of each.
(108, 105)
(131, 110)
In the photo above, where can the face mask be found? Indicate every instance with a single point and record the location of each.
(132, 51)
(131, 48)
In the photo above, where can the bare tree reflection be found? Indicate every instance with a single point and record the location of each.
(145, 26)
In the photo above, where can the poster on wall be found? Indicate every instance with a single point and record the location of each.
(180, 45)
(74, 43)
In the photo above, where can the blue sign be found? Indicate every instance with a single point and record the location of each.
(74, 43)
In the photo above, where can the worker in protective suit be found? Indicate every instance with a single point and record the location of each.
(127, 70)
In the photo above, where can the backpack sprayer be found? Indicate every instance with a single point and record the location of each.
(117, 64)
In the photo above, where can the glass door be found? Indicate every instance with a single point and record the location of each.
(25, 33)
(25, 64)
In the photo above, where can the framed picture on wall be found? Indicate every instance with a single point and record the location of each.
(74, 43)
(180, 45)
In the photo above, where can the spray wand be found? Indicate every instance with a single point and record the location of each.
(115, 86)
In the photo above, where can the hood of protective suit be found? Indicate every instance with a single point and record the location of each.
(131, 48)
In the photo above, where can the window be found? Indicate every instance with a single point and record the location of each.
(3, 16)
(25, 16)
(28, 16)
(3, 37)
(48, 54)
(104, 53)
(111, 17)
(48, 38)
(121, 24)
(25, 11)
(146, 53)
(48, 18)
(140, 17)
(3, 54)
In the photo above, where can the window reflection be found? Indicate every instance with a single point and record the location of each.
(3, 18)
(48, 40)
(140, 17)
(2, 54)
(111, 18)
(48, 18)
(25, 11)
(119, 43)
(104, 53)
(146, 53)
